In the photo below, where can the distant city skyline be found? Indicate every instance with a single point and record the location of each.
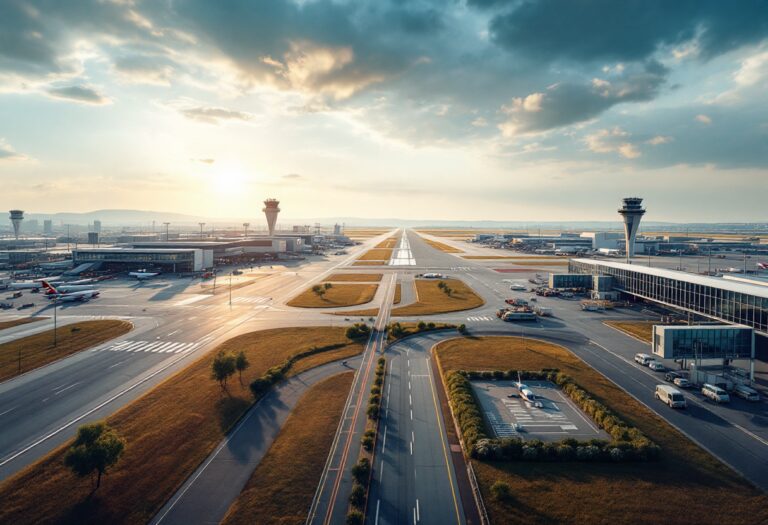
(480, 110)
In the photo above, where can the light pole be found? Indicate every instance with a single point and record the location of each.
(245, 225)
(201, 229)
(166, 231)
(55, 323)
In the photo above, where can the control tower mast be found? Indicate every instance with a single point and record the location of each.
(631, 211)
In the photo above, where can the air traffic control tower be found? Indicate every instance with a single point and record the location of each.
(271, 209)
(16, 217)
(632, 211)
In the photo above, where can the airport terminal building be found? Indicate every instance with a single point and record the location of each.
(723, 300)
(167, 260)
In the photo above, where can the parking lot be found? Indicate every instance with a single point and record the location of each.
(553, 417)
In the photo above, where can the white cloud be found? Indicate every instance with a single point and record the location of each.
(530, 103)
(704, 119)
(615, 140)
(8, 154)
(659, 139)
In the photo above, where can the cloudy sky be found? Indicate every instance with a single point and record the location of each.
(472, 109)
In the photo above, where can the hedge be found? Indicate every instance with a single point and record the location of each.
(627, 443)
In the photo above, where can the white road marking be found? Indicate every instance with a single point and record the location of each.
(9, 410)
(67, 388)
(418, 514)
(376, 520)
(383, 441)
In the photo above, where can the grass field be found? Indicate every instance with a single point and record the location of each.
(37, 350)
(354, 277)
(18, 322)
(513, 258)
(371, 312)
(643, 330)
(442, 246)
(432, 300)
(376, 254)
(281, 488)
(169, 431)
(686, 486)
(388, 243)
(336, 296)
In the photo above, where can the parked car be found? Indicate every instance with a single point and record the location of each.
(25, 306)
(715, 393)
(656, 366)
(682, 382)
(671, 376)
(671, 396)
(745, 392)
(643, 359)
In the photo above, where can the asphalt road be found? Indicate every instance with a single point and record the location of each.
(413, 478)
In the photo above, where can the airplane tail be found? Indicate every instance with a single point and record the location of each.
(49, 288)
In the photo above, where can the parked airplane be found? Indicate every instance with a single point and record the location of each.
(526, 392)
(82, 295)
(64, 288)
(433, 276)
(762, 265)
(141, 275)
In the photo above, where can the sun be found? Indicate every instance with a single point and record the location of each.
(228, 180)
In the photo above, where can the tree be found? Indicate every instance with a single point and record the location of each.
(241, 364)
(441, 285)
(222, 368)
(327, 286)
(319, 290)
(448, 290)
(462, 329)
(96, 448)
(501, 491)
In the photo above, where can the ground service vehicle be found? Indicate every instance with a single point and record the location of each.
(671, 376)
(745, 392)
(682, 382)
(671, 396)
(657, 366)
(715, 393)
(643, 359)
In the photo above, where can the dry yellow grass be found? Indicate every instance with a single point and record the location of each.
(432, 300)
(643, 330)
(336, 296)
(281, 488)
(442, 246)
(388, 243)
(398, 294)
(596, 493)
(354, 277)
(169, 431)
(376, 254)
(18, 322)
(37, 350)
(371, 312)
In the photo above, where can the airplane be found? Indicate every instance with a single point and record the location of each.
(525, 392)
(80, 281)
(82, 295)
(64, 288)
(53, 279)
(142, 275)
(433, 276)
(762, 265)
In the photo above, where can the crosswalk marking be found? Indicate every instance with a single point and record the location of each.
(159, 347)
(461, 268)
(480, 318)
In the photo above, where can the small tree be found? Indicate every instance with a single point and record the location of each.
(96, 448)
(241, 364)
(362, 470)
(318, 290)
(355, 517)
(421, 326)
(448, 290)
(357, 497)
(327, 286)
(223, 367)
(462, 329)
(441, 285)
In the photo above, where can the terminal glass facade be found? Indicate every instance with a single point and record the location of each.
(569, 280)
(722, 342)
(709, 300)
(181, 260)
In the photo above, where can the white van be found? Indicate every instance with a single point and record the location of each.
(715, 393)
(643, 359)
(744, 392)
(671, 396)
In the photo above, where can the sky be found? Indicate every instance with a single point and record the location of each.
(536, 110)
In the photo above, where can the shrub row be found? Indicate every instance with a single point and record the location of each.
(358, 331)
(627, 443)
(260, 385)
(374, 401)
(361, 473)
(398, 331)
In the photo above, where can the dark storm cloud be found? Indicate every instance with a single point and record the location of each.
(630, 30)
(569, 103)
(84, 94)
(27, 44)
